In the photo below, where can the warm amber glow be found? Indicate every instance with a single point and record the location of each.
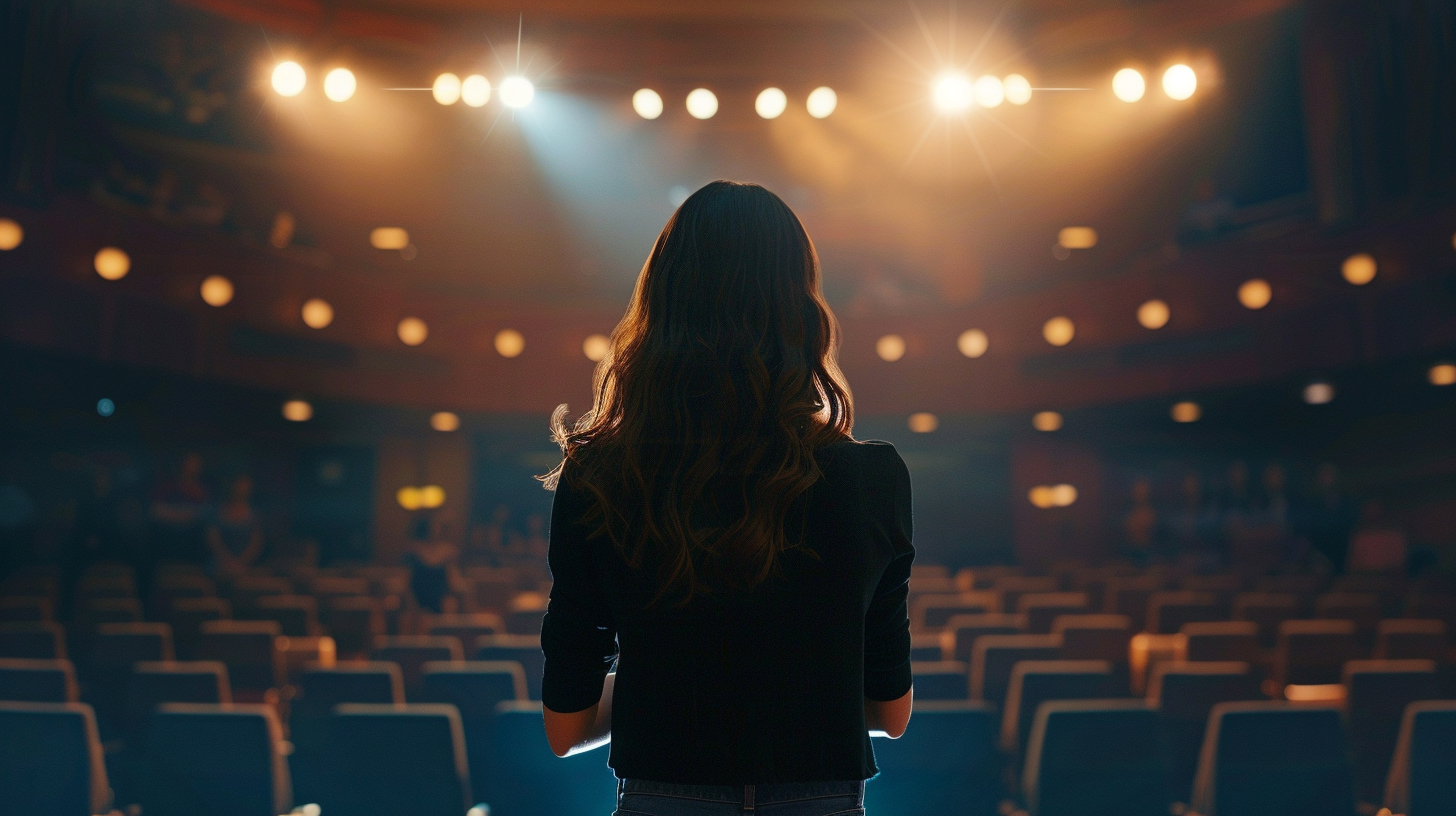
(317, 313)
(1018, 89)
(989, 91)
(1442, 374)
(431, 496)
(1319, 393)
(446, 89)
(891, 347)
(1154, 314)
(297, 410)
(517, 92)
(596, 346)
(1059, 331)
(973, 343)
(1129, 85)
(412, 331)
(112, 264)
(1047, 421)
(289, 78)
(509, 343)
(924, 422)
(647, 103)
(771, 103)
(1255, 293)
(1179, 81)
(953, 92)
(475, 91)
(408, 498)
(702, 103)
(821, 102)
(445, 421)
(389, 238)
(1077, 238)
(1186, 412)
(217, 290)
(1359, 269)
(339, 85)
(11, 234)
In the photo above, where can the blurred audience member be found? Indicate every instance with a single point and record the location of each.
(179, 514)
(234, 536)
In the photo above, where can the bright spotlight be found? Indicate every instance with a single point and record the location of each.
(288, 78)
(475, 90)
(112, 263)
(447, 89)
(973, 343)
(317, 313)
(821, 102)
(412, 331)
(1128, 85)
(1255, 293)
(11, 234)
(1018, 89)
(339, 84)
(1154, 314)
(647, 103)
(1359, 269)
(771, 103)
(217, 291)
(1179, 81)
(953, 93)
(989, 91)
(702, 104)
(517, 92)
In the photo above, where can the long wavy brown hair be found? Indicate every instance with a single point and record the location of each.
(719, 386)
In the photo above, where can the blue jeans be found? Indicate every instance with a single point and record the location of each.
(641, 798)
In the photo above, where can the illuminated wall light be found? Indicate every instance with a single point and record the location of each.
(647, 103)
(1077, 238)
(509, 343)
(953, 93)
(446, 89)
(596, 347)
(389, 238)
(973, 343)
(408, 498)
(289, 78)
(821, 102)
(924, 422)
(445, 421)
(1129, 85)
(339, 85)
(105, 407)
(412, 331)
(297, 410)
(1359, 269)
(517, 92)
(11, 234)
(1319, 393)
(112, 263)
(1047, 421)
(1059, 331)
(216, 290)
(891, 347)
(1442, 374)
(431, 496)
(771, 103)
(1179, 81)
(317, 313)
(1018, 89)
(1255, 293)
(1186, 412)
(1154, 314)
(988, 91)
(702, 104)
(475, 91)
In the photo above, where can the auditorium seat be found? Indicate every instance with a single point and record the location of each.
(932, 612)
(1129, 595)
(1034, 682)
(926, 646)
(1094, 758)
(37, 681)
(412, 652)
(1010, 588)
(1364, 608)
(1222, 641)
(1412, 639)
(1274, 759)
(186, 616)
(1168, 611)
(386, 760)
(1267, 610)
(1377, 696)
(945, 763)
(153, 684)
(523, 649)
(994, 657)
(468, 626)
(961, 632)
(250, 651)
(319, 690)
(115, 649)
(1313, 652)
(354, 622)
(475, 688)
(1421, 782)
(50, 761)
(25, 609)
(940, 680)
(219, 760)
(33, 640)
(1042, 608)
(1184, 694)
(296, 615)
(525, 779)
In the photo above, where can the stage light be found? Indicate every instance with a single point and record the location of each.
(1319, 393)
(431, 496)
(11, 234)
(1154, 314)
(973, 343)
(445, 421)
(289, 78)
(509, 343)
(111, 263)
(596, 347)
(1179, 81)
(105, 407)
(953, 93)
(1047, 421)
(1018, 89)
(217, 291)
(408, 498)
(1059, 331)
(647, 103)
(702, 104)
(1255, 293)
(412, 331)
(924, 422)
(1442, 374)
(317, 313)
(988, 91)
(1077, 238)
(771, 103)
(297, 410)
(389, 238)
(475, 91)
(821, 102)
(1041, 497)
(1359, 269)
(517, 92)
(891, 347)
(1063, 495)
(1128, 85)
(1186, 412)
(446, 89)
(339, 85)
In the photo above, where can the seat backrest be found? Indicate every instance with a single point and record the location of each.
(1378, 692)
(1094, 637)
(37, 681)
(50, 760)
(523, 649)
(222, 760)
(1420, 781)
(1274, 759)
(412, 652)
(962, 631)
(1221, 641)
(122, 644)
(153, 684)
(994, 656)
(1184, 694)
(321, 688)
(946, 762)
(1042, 608)
(1094, 758)
(940, 680)
(1034, 682)
(34, 640)
(524, 777)
(1168, 611)
(1411, 639)
(1313, 652)
(249, 648)
(385, 760)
